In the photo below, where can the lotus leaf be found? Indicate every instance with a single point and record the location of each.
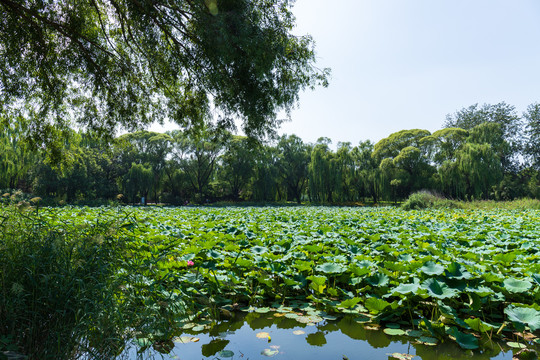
(375, 305)
(431, 268)
(394, 332)
(525, 316)
(378, 280)
(406, 288)
(330, 268)
(457, 271)
(466, 341)
(513, 285)
(478, 325)
(439, 289)
(259, 250)
(349, 303)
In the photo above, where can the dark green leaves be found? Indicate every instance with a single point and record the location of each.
(438, 289)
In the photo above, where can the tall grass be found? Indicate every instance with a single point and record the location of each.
(67, 289)
(429, 200)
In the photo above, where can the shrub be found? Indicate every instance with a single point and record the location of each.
(425, 200)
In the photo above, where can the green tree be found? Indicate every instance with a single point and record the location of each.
(532, 132)
(205, 146)
(322, 172)
(148, 148)
(511, 126)
(480, 167)
(292, 165)
(264, 186)
(16, 158)
(390, 146)
(366, 181)
(237, 165)
(410, 170)
(137, 182)
(128, 62)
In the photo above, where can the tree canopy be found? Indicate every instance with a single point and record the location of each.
(110, 63)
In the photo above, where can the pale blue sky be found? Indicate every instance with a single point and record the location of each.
(404, 64)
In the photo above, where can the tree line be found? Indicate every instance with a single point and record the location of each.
(482, 152)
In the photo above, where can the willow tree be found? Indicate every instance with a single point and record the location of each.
(323, 172)
(532, 131)
(292, 165)
(480, 167)
(510, 126)
(110, 63)
(16, 159)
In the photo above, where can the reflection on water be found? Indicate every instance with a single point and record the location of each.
(340, 339)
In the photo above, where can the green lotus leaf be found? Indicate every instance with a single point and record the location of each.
(438, 289)
(406, 288)
(292, 316)
(405, 258)
(262, 310)
(415, 333)
(491, 277)
(331, 268)
(259, 250)
(349, 303)
(363, 319)
(514, 285)
(465, 341)
(431, 268)
(378, 280)
(516, 345)
(505, 258)
(426, 340)
(375, 305)
(478, 325)
(482, 291)
(457, 271)
(359, 271)
(394, 332)
(524, 316)
(536, 278)
(215, 254)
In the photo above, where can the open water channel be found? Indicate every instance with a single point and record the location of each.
(260, 336)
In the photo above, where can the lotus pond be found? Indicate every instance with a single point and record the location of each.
(450, 278)
(256, 335)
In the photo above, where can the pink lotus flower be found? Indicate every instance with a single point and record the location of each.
(190, 263)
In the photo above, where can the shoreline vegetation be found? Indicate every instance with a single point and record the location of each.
(83, 281)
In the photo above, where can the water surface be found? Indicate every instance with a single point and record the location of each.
(242, 337)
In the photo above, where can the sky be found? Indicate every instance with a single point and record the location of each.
(406, 64)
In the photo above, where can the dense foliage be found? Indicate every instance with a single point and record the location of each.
(111, 63)
(447, 274)
(72, 284)
(480, 159)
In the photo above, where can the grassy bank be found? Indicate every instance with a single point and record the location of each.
(67, 288)
(428, 200)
